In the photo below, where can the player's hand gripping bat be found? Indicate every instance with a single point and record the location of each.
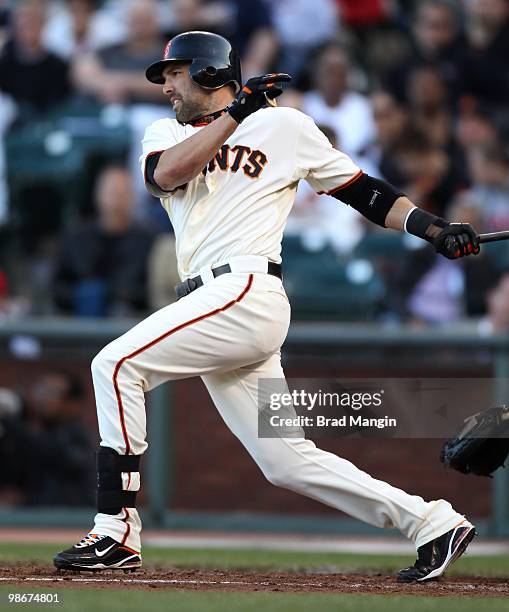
(459, 239)
(257, 92)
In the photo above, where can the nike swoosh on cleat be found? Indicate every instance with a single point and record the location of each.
(101, 553)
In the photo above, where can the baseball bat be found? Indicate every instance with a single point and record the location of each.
(494, 237)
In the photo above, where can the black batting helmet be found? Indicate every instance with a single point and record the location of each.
(214, 62)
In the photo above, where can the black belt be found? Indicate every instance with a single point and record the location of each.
(189, 285)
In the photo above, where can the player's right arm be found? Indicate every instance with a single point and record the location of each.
(169, 168)
(180, 163)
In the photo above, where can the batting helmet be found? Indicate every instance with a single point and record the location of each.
(214, 62)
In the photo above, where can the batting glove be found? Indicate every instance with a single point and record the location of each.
(457, 240)
(254, 94)
(452, 240)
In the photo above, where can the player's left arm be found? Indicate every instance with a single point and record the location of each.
(381, 203)
(452, 240)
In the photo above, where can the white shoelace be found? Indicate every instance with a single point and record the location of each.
(89, 540)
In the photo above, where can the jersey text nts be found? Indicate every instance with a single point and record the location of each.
(251, 161)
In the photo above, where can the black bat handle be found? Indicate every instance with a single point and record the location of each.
(494, 237)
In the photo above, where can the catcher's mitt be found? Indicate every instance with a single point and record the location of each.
(483, 444)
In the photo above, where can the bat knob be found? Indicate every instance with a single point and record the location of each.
(270, 101)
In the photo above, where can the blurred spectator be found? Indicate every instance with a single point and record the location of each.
(435, 28)
(486, 62)
(48, 449)
(10, 307)
(430, 178)
(35, 78)
(102, 265)
(431, 289)
(187, 15)
(79, 27)
(431, 114)
(391, 125)
(116, 74)
(427, 97)
(376, 32)
(249, 28)
(333, 103)
(322, 217)
(496, 320)
(435, 41)
(360, 14)
(297, 39)
(4, 22)
(489, 171)
(474, 127)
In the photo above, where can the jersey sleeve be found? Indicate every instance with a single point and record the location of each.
(158, 137)
(325, 168)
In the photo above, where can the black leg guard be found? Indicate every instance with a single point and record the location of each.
(111, 497)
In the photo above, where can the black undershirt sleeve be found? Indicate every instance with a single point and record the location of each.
(372, 197)
(150, 167)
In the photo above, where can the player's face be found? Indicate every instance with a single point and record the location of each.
(187, 99)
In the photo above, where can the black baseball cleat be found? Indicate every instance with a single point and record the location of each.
(96, 553)
(435, 557)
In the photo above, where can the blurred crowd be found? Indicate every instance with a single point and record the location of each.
(45, 446)
(414, 91)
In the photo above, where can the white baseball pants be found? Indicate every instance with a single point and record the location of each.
(229, 332)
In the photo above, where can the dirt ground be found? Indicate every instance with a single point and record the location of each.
(250, 581)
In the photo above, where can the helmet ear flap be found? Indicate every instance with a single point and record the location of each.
(210, 75)
(237, 70)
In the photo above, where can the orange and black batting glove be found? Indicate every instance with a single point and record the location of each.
(452, 240)
(252, 96)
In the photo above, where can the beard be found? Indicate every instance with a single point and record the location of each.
(189, 110)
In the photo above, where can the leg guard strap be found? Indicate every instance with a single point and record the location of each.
(111, 502)
(111, 497)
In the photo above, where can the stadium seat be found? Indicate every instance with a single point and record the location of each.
(59, 155)
(322, 284)
(385, 243)
(42, 161)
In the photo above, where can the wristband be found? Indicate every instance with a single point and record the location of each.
(424, 225)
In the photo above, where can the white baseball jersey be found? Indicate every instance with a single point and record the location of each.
(239, 204)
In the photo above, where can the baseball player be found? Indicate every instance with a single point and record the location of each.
(226, 170)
